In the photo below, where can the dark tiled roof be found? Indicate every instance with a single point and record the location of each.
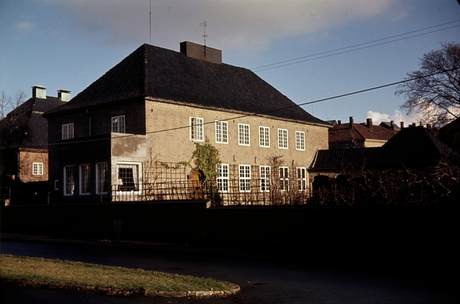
(343, 132)
(413, 147)
(450, 134)
(25, 126)
(155, 72)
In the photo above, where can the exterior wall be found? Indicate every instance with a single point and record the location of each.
(26, 158)
(91, 144)
(176, 146)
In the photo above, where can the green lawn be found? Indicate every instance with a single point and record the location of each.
(40, 272)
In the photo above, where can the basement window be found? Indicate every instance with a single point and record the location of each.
(37, 168)
(128, 177)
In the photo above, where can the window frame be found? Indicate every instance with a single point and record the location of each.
(301, 148)
(98, 175)
(245, 179)
(284, 180)
(80, 179)
(280, 130)
(216, 126)
(191, 126)
(119, 127)
(40, 169)
(265, 178)
(64, 188)
(139, 176)
(67, 131)
(266, 139)
(302, 180)
(239, 134)
(223, 178)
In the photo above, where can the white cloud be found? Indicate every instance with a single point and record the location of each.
(24, 25)
(414, 117)
(250, 24)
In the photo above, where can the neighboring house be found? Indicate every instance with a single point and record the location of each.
(391, 125)
(24, 147)
(129, 130)
(412, 148)
(359, 135)
(413, 168)
(450, 134)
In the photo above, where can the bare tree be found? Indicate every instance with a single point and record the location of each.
(5, 102)
(436, 97)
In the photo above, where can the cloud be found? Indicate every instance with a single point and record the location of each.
(414, 117)
(24, 26)
(237, 24)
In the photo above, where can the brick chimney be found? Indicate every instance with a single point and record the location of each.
(200, 52)
(63, 95)
(39, 91)
(369, 122)
(339, 122)
(401, 124)
(392, 125)
(351, 120)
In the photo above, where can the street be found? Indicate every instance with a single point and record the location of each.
(261, 281)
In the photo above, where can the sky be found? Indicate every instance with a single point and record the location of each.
(69, 44)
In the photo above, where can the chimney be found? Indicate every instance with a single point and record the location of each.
(369, 122)
(339, 122)
(63, 95)
(351, 120)
(392, 125)
(428, 126)
(39, 91)
(201, 52)
(401, 124)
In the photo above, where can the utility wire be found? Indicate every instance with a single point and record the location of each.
(359, 46)
(275, 110)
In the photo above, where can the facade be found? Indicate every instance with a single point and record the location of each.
(131, 134)
(360, 135)
(24, 148)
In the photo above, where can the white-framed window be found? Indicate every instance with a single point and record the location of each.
(282, 138)
(245, 178)
(284, 178)
(222, 177)
(102, 178)
(67, 131)
(85, 179)
(118, 124)
(37, 168)
(264, 178)
(301, 178)
(300, 140)
(221, 132)
(243, 134)
(128, 177)
(264, 137)
(196, 129)
(69, 180)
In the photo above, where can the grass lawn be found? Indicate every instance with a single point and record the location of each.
(112, 280)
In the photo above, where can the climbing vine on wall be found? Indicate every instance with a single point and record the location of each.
(206, 158)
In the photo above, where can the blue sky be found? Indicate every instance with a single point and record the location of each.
(69, 44)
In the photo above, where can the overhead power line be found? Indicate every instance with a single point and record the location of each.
(360, 46)
(373, 88)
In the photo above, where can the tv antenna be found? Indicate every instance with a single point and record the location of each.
(204, 24)
(150, 22)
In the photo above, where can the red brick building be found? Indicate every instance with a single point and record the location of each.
(24, 148)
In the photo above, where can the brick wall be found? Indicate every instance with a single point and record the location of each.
(27, 157)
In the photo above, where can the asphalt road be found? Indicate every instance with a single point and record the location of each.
(262, 282)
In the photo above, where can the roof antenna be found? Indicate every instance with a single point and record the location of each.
(150, 22)
(204, 24)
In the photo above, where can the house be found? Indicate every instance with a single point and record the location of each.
(131, 133)
(24, 147)
(450, 134)
(359, 135)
